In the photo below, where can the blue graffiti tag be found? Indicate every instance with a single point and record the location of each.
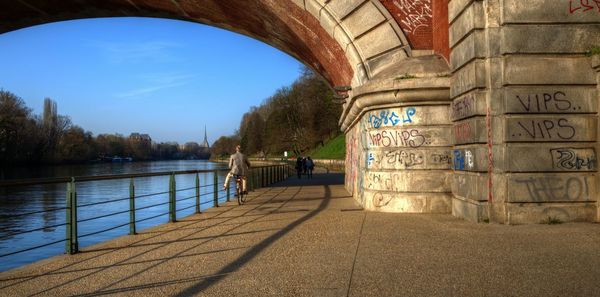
(459, 160)
(394, 119)
(371, 159)
(376, 121)
(411, 111)
(384, 117)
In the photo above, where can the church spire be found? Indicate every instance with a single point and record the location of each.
(205, 142)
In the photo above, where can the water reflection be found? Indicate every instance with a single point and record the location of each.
(18, 204)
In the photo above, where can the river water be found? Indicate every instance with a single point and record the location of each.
(17, 202)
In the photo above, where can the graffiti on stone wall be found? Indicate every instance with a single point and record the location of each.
(583, 6)
(546, 102)
(379, 200)
(542, 129)
(463, 132)
(397, 138)
(351, 146)
(409, 159)
(387, 118)
(463, 160)
(574, 159)
(399, 181)
(414, 14)
(463, 107)
(554, 188)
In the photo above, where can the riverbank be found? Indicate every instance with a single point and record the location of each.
(314, 240)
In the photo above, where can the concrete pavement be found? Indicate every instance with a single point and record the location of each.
(309, 238)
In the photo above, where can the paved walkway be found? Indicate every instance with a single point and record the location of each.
(300, 240)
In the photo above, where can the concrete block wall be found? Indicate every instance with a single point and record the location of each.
(524, 110)
(399, 159)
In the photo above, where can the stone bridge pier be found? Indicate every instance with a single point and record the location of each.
(507, 134)
(486, 109)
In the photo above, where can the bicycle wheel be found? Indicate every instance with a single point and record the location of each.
(243, 197)
(238, 191)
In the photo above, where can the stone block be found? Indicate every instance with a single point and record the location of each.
(528, 70)
(550, 99)
(314, 8)
(470, 158)
(377, 41)
(471, 211)
(471, 19)
(470, 77)
(552, 187)
(560, 39)
(407, 116)
(415, 181)
(300, 3)
(472, 130)
(379, 63)
(410, 137)
(470, 185)
(363, 19)
(340, 35)
(550, 11)
(328, 22)
(551, 157)
(409, 159)
(341, 8)
(468, 105)
(472, 47)
(408, 202)
(456, 7)
(536, 213)
(537, 128)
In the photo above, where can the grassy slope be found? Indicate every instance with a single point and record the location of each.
(333, 149)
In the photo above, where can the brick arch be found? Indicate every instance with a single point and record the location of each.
(347, 42)
(281, 24)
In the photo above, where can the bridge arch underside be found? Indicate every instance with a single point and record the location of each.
(444, 108)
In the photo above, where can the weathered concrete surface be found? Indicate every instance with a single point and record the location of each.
(314, 241)
(524, 109)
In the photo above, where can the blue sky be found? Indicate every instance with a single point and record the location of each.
(163, 77)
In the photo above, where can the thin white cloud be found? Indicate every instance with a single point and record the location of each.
(156, 82)
(135, 51)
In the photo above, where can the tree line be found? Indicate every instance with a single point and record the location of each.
(296, 118)
(26, 138)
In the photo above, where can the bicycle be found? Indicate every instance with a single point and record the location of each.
(239, 190)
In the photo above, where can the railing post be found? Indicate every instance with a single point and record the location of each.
(68, 227)
(262, 177)
(228, 193)
(172, 197)
(251, 180)
(71, 243)
(197, 193)
(131, 207)
(257, 178)
(216, 189)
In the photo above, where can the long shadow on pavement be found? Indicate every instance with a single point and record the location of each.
(246, 257)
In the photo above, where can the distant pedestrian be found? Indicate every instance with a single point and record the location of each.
(299, 167)
(310, 165)
(304, 165)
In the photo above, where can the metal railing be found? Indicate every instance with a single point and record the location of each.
(259, 176)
